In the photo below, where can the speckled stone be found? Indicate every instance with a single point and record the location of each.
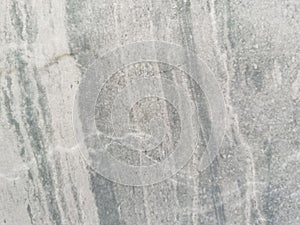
(251, 47)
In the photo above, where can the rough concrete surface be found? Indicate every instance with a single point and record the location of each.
(249, 47)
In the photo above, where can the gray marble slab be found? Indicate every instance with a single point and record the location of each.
(249, 50)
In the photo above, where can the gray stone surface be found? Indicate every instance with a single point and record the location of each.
(251, 47)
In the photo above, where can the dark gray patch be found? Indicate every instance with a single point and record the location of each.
(76, 198)
(60, 186)
(216, 194)
(8, 103)
(16, 19)
(254, 77)
(43, 103)
(37, 137)
(31, 24)
(105, 200)
(189, 43)
(268, 207)
(30, 214)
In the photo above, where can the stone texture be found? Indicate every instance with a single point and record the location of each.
(251, 46)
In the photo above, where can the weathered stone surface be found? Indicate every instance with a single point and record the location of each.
(251, 47)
